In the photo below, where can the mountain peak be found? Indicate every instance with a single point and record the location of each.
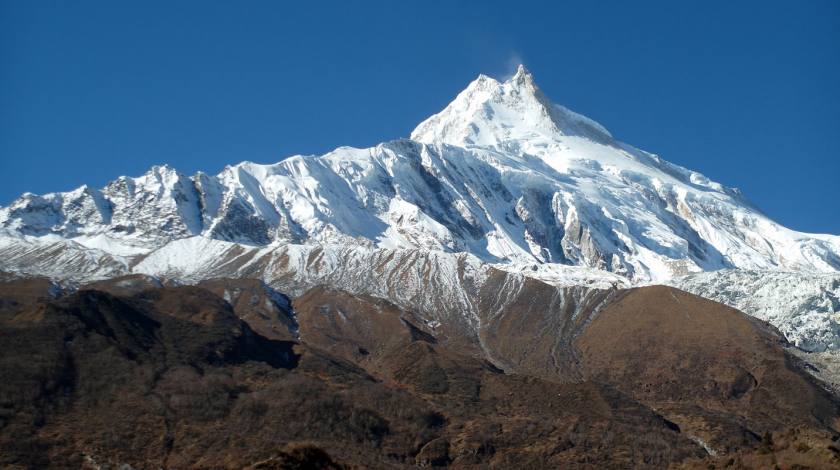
(490, 113)
(522, 76)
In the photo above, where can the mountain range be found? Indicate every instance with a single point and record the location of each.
(501, 179)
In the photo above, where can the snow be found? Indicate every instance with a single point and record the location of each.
(115, 246)
(186, 257)
(567, 276)
(57, 258)
(490, 113)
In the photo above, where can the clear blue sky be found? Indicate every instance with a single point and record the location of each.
(747, 93)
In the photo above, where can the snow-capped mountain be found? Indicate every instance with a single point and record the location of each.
(501, 173)
(502, 176)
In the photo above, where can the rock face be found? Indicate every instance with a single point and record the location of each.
(131, 371)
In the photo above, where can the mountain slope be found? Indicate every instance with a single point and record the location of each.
(130, 371)
(655, 344)
(804, 306)
(501, 173)
(171, 378)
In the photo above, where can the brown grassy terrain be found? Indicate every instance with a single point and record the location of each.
(134, 372)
